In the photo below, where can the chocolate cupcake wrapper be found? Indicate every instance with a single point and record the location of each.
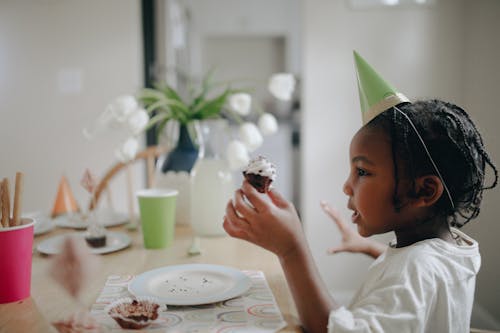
(130, 323)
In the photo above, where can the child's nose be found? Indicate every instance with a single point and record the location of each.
(347, 188)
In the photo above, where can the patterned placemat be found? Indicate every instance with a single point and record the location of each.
(254, 311)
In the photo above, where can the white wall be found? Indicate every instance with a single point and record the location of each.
(425, 53)
(481, 86)
(245, 18)
(61, 62)
(249, 42)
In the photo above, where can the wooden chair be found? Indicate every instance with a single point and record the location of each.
(149, 155)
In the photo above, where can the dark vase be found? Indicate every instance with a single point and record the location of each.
(183, 156)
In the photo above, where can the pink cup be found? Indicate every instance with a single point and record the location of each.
(16, 248)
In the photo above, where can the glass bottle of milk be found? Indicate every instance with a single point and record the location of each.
(212, 184)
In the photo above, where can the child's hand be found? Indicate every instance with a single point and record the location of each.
(271, 223)
(352, 241)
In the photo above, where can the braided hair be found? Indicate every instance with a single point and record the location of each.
(456, 146)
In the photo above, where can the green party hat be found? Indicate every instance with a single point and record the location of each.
(375, 94)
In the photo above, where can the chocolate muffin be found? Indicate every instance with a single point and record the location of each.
(96, 236)
(133, 313)
(260, 173)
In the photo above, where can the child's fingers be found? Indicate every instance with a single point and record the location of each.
(233, 230)
(238, 226)
(278, 199)
(255, 198)
(241, 206)
(334, 215)
(234, 218)
(336, 249)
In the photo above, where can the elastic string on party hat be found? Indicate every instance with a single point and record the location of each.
(428, 155)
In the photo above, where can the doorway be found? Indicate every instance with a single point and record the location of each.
(247, 42)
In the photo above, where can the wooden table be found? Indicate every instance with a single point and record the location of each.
(49, 302)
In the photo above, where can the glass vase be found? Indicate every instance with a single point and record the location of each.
(173, 169)
(185, 152)
(212, 184)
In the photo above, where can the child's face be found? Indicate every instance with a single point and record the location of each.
(370, 185)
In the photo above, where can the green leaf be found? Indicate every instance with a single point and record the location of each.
(206, 86)
(207, 80)
(160, 127)
(211, 108)
(168, 105)
(156, 106)
(150, 94)
(156, 119)
(232, 114)
(169, 92)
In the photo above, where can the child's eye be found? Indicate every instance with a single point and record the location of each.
(361, 172)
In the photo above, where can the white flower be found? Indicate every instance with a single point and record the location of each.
(267, 124)
(250, 135)
(118, 111)
(237, 155)
(281, 85)
(128, 150)
(240, 103)
(137, 121)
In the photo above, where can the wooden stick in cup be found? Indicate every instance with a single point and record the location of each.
(1, 205)
(5, 203)
(18, 199)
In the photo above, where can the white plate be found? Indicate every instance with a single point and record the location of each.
(192, 284)
(114, 241)
(107, 218)
(43, 223)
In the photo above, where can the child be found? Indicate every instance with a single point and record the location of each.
(416, 169)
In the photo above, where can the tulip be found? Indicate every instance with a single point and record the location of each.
(118, 111)
(128, 150)
(282, 85)
(237, 155)
(240, 103)
(250, 135)
(267, 124)
(137, 121)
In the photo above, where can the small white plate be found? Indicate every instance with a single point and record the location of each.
(192, 284)
(106, 218)
(43, 222)
(114, 241)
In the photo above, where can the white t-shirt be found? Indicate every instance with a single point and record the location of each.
(425, 287)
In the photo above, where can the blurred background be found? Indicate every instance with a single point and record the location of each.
(63, 61)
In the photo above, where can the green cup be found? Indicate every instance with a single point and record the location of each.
(157, 211)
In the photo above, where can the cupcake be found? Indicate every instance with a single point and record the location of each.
(96, 235)
(133, 313)
(260, 173)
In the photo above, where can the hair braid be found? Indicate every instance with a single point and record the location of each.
(480, 147)
(475, 149)
(452, 120)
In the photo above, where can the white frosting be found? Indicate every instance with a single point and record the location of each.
(95, 230)
(261, 166)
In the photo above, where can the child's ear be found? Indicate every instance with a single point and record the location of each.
(429, 189)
